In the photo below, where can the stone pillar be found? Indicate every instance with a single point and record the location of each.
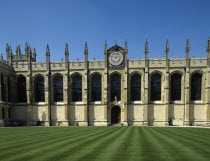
(47, 99)
(167, 99)
(187, 99)
(187, 87)
(66, 84)
(86, 91)
(208, 84)
(146, 88)
(105, 99)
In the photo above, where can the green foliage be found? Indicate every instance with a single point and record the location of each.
(104, 143)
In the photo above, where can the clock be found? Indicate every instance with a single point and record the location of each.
(115, 58)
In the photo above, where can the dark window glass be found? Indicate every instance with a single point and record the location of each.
(176, 87)
(76, 88)
(135, 87)
(3, 88)
(21, 89)
(58, 88)
(96, 87)
(196, 84)
(156, 87)
(3, 114)
(9, 89)
(39, 89)
(9, 113)
(115, 87)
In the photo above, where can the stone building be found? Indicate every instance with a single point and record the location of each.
(135, 92)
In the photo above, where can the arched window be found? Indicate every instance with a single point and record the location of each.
(3, 88)
(39, 89)
(115, 87)
(9, 89)
(96, 87)
(58, 88)
(135, 87)
(155, 87)
(76, 88)
(21, 89)
(196, 84)
(176, 87)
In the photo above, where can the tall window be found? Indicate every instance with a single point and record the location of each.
(3, 114)
(155, 87)
(115, 87)
(21, 89)
(196, 84)
(176, 87)
(58, 88)
(135, 87)
(3, 88)
(76, 88)
(39, 89)
(96, 87)
(9, 89)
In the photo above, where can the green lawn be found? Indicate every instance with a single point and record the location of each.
(104, 143)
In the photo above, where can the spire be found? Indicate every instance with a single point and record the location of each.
(188, 49)
(47, 54)
(26, 48)
(86, 51)
(146, 51)
(18, 51)
(167, 49)
(47, 50)
(66, 49)
(208, 48)
(34, 54)
(126, 46)
(105, 47)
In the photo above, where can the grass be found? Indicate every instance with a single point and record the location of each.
(104, 143)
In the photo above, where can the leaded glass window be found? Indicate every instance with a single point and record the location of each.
(39, 89)
(21, 89)
(96, 87)
(176, 87)
(155, 87)
(135, 87)
(196, 84)
(76, 88)
(58, 88)
(115, 87)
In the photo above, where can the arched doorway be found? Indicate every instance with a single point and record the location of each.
(115, 115)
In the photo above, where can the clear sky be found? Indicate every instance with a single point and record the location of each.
(75, 21)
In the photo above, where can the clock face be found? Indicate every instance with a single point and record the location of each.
(115, 58)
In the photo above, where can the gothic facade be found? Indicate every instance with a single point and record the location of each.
(135, 92)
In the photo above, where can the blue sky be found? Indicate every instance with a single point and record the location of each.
(75, 21)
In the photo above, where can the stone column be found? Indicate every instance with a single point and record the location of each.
(208, 84)
(146, 87)
(86, 91)
(105, 99)
(167, 84)
(187, 99)
(187, 87)
(167, 105)
(125, 88)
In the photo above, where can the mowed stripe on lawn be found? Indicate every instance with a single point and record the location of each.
(104, 143)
